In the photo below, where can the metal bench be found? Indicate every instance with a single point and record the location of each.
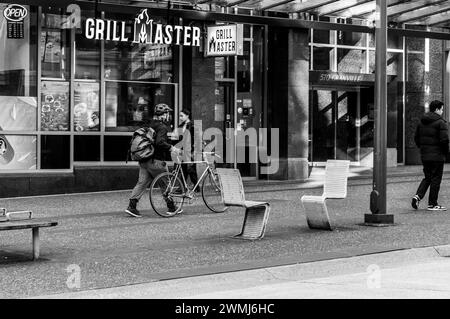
(336, 176)
(7, 222)
(256, 213)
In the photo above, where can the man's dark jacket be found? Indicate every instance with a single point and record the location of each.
(162, 145)
(432, 138)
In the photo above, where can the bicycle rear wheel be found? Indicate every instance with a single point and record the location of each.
(212, 193)
(165, 190)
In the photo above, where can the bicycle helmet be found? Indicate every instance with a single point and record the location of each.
(161, 108)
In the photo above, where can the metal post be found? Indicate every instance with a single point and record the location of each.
(378, 195)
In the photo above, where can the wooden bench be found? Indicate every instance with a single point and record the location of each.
(27, 224)
(256, 213)
(336, 176)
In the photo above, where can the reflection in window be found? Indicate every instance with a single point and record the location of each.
(138, 61)
(351, 61)
(54, 47)
(87, 54)
(86, 111)
(129, 105)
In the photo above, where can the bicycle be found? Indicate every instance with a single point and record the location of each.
(168, 187)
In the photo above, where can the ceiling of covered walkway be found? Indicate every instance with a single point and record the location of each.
(432, 13)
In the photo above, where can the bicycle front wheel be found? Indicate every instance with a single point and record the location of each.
(166, 194)
(212, 194)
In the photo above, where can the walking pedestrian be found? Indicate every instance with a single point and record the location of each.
(186, 129)
(150, 168)
(432, 139)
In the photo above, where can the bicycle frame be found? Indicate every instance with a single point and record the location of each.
(190, 192)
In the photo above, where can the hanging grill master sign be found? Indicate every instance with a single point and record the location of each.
(225, 40)
(15, 15)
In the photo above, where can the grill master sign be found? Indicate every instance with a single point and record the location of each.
(225, 40)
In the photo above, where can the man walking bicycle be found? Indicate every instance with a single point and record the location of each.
(150, 168)
(432, 139)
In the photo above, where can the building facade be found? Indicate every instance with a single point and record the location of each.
(75, 84)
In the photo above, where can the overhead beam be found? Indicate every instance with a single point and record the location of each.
(296, 6)
(422, 13)
(357, 10)
(437, 19)
(410, 6)
(338, 6)
(364, 10)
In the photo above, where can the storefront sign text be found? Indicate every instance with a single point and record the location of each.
(224, 40)
(145, 31)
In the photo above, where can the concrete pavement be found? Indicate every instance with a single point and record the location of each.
(112, 249)
(413, 273)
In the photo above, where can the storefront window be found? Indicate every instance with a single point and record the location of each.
(130, 105)
(116, 148)
(143, 62)
(86, 148)
(18, 90)
(86, 111)
(351, 61)
(55, 152)
(17, 152)
(55, 103)
(321, 58)
(87, 53)
(54, 46)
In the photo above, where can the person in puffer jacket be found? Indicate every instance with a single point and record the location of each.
(432, 139)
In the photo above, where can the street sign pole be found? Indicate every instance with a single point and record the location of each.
(379, 214)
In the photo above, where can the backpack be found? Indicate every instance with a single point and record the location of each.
(142, 144)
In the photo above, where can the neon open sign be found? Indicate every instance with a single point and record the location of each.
(15, 13)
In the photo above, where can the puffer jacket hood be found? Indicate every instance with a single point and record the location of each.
(430, 117)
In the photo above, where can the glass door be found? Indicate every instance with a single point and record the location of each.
(335, 121)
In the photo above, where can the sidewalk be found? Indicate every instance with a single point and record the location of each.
(414, 273)
(112, 249)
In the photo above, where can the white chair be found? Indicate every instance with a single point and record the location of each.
(256, 213)
(336, 176)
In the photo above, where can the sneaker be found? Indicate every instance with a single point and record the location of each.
(415, 201)
(174, 211)
(133, 212)
(436, 208)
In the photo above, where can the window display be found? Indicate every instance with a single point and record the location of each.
(17, 152)
(54, 106)
(86, 112)
(18, 113)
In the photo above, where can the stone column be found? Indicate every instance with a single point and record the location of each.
(298, 104)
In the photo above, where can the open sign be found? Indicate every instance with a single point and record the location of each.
(15, 13)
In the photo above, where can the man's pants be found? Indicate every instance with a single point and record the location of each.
(147, 172)
(433, 175)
